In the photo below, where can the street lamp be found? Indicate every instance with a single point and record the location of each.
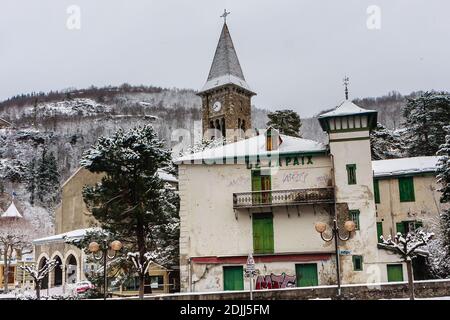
(94, 248)
(349, 226)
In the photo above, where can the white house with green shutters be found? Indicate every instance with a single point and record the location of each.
(264, 195)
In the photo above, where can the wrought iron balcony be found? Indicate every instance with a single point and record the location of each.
(290, 197)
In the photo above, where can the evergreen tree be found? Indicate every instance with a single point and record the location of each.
(31, 180)
(425, 116)
(286, 122)
(443, 179)
(386, 144)
(131, 202)
(47, 179)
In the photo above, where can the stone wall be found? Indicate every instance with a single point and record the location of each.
(423, 289)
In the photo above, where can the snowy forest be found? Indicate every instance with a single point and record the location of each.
(50, 132)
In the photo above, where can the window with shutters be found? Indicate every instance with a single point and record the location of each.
(357, 263)
(351, 173)
(263, 233)
(376, 191)
(261, 186)
(408, 226)
(406, 189)
(354, 216)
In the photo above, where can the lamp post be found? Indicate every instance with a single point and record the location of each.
(349, 226)
(94, 248)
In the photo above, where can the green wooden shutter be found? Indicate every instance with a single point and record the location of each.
(258, 234)
(306, 275)
(354, 215)
(263, 234)
(376, 190)
(351, 173)
(233, 278)
(395, 272)
(256, 186)
(401, 228)
(379, 231)
(268, 235)
(406, 189)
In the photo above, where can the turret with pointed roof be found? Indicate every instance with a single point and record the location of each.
(225, 68)
(226, 96)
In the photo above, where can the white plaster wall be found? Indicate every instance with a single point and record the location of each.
(210, 277)
(426, 206)
(358, 197)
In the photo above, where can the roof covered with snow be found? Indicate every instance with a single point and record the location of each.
(225, 68)
(404, 166)
(75, 234)
(253, 147)
(11, 212)
(346, 108)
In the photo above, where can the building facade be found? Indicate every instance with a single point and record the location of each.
(264, 195)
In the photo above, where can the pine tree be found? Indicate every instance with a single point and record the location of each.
(131, 202)
(443, 179)
(425, 116)
(47, 179)
(286, 122)
(386, 144)
(31, 180)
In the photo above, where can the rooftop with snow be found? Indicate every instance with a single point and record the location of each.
(71, 235)
(253, 147)
(404, 166)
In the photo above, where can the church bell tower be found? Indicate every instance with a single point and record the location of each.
(226, 96)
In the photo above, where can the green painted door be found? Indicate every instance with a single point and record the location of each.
(395, 272)
(263, 233)
(233, 278)
(306, 275)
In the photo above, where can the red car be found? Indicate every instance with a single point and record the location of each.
(83, 286)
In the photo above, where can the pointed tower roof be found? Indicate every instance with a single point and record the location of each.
(11, 212)
(225, 68)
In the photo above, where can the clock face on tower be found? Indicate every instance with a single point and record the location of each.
(217, 106)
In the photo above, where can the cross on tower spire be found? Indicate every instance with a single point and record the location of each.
(224, 16)
(346, 83)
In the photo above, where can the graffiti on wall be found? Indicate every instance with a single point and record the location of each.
(295, 177)
(274, 281)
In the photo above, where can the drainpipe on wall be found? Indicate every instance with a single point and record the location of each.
(390, 209)
(189, 275)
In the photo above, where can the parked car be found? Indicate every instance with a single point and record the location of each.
(83, 286)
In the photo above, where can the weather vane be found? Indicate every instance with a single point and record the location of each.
(346, 83)
(224, 16)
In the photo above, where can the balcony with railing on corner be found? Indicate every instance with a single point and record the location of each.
(291, 197)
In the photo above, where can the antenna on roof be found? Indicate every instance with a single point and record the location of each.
(346, 83)
(224, 16)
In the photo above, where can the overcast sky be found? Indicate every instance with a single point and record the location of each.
(294, 53)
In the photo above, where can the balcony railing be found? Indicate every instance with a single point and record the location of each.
(282, 197)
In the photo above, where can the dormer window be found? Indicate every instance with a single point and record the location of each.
(273, 139)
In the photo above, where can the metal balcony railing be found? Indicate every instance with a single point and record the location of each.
(282, 197)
